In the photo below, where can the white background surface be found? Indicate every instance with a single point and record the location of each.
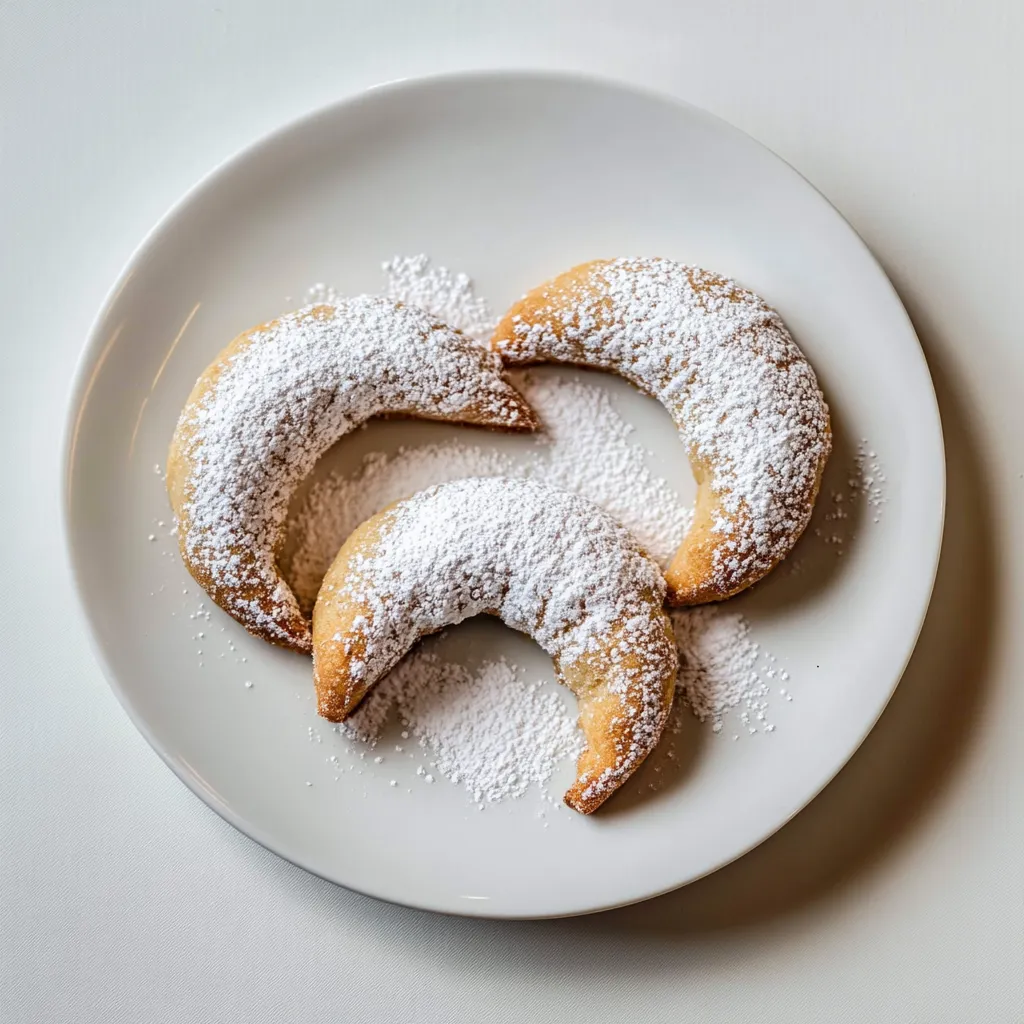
(897, 896)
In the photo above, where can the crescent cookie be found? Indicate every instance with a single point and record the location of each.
(742, 395)
(548, 563)
(274, 401)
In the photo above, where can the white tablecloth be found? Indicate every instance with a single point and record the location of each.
(897, 896)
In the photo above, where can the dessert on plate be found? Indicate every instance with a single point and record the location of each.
(274, 401)
(548, 563)
(742, 395)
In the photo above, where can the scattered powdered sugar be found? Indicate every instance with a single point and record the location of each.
(302, 382)
(867, 479)
(724, 365)
(491, 730)
(718, 661)
(449, 296)
(722, 668)
(586, 448)
(864, 494)
(497, 734)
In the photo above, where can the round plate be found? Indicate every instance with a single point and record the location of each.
(512, 177)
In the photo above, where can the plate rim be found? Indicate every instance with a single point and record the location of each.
(93, 355)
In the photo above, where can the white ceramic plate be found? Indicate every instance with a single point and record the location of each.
(512, 177)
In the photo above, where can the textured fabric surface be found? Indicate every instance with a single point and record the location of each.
(897, 896)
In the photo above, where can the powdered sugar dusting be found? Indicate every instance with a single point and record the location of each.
(280, 400)
(550, 563)
(507, 758)
(867, 479)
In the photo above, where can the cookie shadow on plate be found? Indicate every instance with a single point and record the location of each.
(669, 766)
